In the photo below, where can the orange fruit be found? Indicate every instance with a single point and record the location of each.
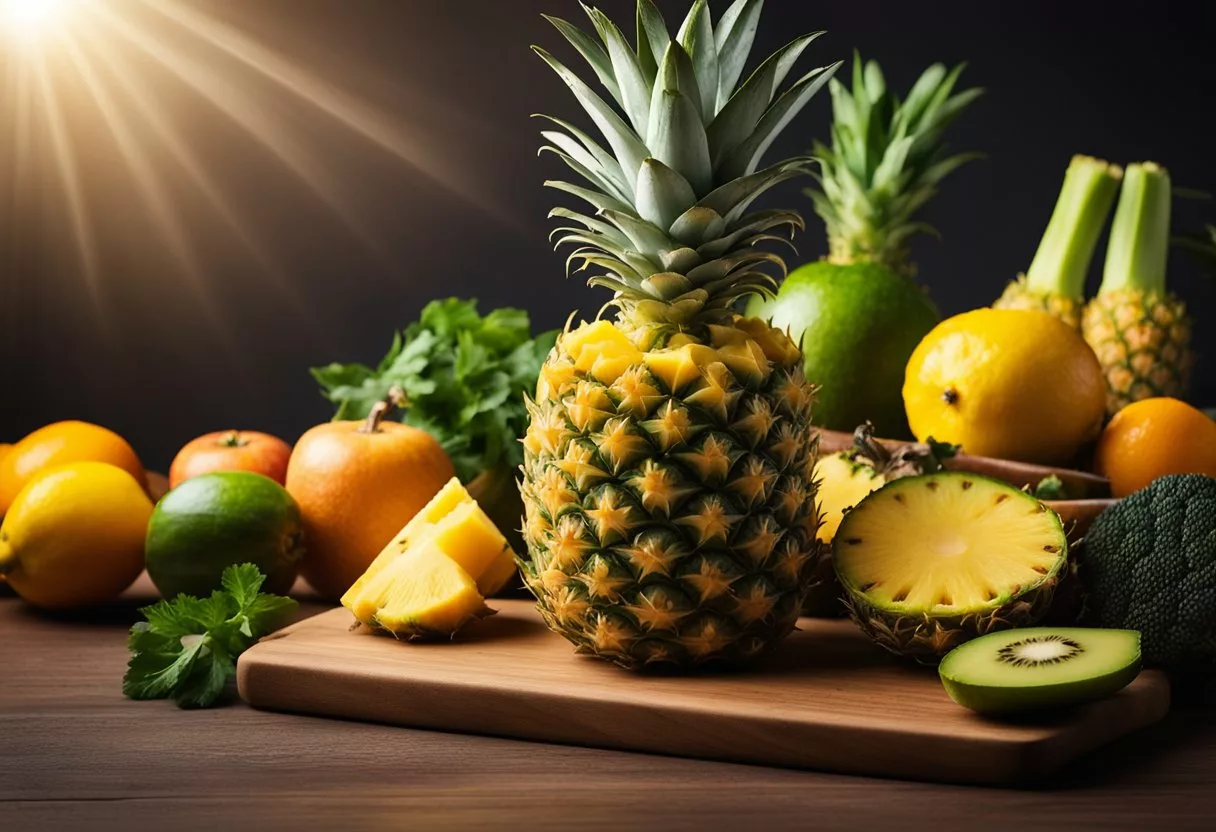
(61, 443)
(357, 484)
(1154, 437)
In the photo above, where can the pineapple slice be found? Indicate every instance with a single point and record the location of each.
(929, 562)
(423, 594)
(470, 538)
(499, 573)
(415, 531)
(454, 527)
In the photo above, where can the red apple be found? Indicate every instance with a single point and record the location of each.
(232, 450)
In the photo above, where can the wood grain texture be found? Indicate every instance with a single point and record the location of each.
(76, 755)
(827, 699)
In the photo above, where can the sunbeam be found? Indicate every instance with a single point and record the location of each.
(143, 102)
(256, 121)
(158, 203)
(90, 80)
(69, 178)
(345, 109)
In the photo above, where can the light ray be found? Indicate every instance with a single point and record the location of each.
(347, 110)
(157, 200)
(69, 178)
(171, 140)
(243, 112)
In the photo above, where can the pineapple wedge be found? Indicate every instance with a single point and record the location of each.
(422, 594)
(415, 531)
(449, 538)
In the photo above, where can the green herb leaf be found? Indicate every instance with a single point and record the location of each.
(1050, 488)
(464, 376)
(186, 649)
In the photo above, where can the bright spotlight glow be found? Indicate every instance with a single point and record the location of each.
(26, 18)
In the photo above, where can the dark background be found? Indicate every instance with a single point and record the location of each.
(163, 346)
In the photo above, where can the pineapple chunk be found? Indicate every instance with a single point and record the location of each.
(415, 531)
(422, 594)
(498, 575)
(452, 524)
(470, 538)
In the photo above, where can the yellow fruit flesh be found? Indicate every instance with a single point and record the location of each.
(954, 551)
(604, 352)
(424, 592)
(498, 575)
(842, 485)
(404, 575)
(416, 530)
(468, 536)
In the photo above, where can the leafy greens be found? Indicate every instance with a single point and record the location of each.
(186, 650)
(463, 376)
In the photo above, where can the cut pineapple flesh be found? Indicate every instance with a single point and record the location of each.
(470, 538)
(843, 483)
(423, 593)
(415, 531)
(498, 575)
(947, 544)
(454, 525)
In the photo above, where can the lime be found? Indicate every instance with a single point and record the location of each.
(857, 325)
(213, 521)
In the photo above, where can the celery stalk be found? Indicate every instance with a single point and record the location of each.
(1140, 235)
(1067, 247)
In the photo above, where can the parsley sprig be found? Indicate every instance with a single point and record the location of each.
(186, 650)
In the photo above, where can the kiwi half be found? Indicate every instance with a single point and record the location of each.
(1040, 667)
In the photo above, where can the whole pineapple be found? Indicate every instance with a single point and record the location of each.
(667, 478)
(1055, 281)
(1138, 329)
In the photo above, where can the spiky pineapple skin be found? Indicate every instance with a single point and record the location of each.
(926, 639)
(1018, 295)
(1142, 340)
(670, 526)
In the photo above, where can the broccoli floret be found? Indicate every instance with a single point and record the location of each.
(1149, 564)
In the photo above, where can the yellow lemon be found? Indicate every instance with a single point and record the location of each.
(74, 535)
(1009, 383)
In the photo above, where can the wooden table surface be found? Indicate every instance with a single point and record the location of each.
(74, 754)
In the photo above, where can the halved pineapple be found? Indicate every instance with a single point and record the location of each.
(423, 594)
(929, 562)
(453, 525)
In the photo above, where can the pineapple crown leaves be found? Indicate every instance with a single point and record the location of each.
(885, 161)
(672, 231)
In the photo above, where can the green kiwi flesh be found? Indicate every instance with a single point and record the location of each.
(1040, 668)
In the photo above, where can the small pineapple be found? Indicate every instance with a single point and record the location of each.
(1138, 329)
(667, 480)
(1055, 281)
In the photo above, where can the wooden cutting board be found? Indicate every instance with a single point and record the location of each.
(826, 699)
